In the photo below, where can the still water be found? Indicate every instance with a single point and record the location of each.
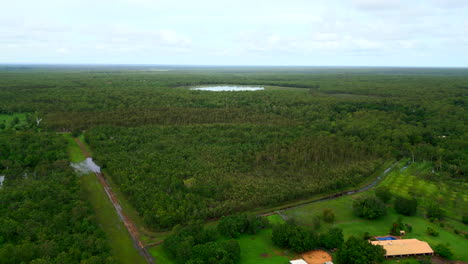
(228, 88)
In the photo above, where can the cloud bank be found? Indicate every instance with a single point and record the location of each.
(296, 32)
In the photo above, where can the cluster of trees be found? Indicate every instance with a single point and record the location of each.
(196, 244)
(301, 239)
(179, 154)
(175, 174)
(369, 207)
(405, 206)
(234, 225)
(42, 216)
(359, 251)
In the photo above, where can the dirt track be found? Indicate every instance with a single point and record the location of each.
(131, 227)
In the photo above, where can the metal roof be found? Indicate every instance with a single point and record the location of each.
(404, 247)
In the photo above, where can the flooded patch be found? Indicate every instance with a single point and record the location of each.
(86, 166)
(228, 88)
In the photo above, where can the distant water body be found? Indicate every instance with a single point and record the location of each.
(228, 88)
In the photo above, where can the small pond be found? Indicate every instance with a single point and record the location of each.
(228, 88)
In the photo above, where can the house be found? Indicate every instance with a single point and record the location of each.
(298, 261)
(405, 247)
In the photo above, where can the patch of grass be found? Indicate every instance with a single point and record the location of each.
(258, 249)
(160, 255)
(121, 243)
(74, 151)
(9, 120)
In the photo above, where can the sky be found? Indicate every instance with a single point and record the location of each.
(426, 33)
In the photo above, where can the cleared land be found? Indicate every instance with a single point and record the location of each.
(316, 257)
(353, 225)
(122, 246)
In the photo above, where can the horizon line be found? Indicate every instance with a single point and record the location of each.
(227, 65)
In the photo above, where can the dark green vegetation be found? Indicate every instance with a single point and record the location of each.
(179, 155)
(359, 251)
(174, 174)
(42, 216)
(302, 239)
(369, 207)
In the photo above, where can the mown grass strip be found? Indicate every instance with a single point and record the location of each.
(120, 242)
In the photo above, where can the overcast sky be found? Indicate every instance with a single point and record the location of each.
(236, 32)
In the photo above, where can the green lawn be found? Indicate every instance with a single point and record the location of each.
(120, 242)
(353, 225)
(74, 151)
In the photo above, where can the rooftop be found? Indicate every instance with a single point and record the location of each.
(298, 261)
(404, 247)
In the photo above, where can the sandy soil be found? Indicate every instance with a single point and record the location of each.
(316, 257)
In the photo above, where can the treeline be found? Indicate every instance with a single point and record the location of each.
(43, 219)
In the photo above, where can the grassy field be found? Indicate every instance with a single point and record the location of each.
(121, 244)
(74, 151)
(410, 182)
(353, 225)
(8, 120)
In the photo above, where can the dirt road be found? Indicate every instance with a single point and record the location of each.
(131, 227)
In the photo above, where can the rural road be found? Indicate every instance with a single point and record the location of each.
(331, 197)
(131, 227)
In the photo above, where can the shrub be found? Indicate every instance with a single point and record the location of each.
(328, 215)
(409, 228)
(465, 219)
(367, 236)
(431, 231)
(316, 223)
(435, 212)
(369, 207)
(443, 251)
(405, 206)
(383, 193)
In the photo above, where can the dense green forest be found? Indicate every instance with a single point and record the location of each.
(43, 218)
(180, 154)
